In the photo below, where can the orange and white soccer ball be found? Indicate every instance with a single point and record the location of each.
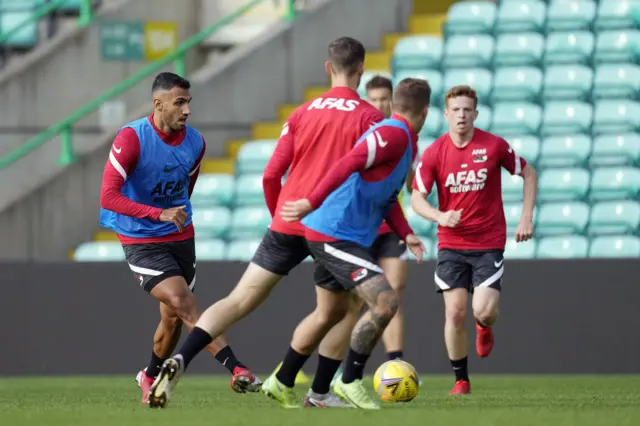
(396, 381)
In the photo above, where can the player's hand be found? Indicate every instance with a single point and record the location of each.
(415, 245)
(450, 219)
(176, 215)
(292, 211)
(524, 230)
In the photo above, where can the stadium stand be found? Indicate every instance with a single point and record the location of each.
(559, 79)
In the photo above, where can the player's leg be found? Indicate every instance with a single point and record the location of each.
(488, 269)
(453, 280)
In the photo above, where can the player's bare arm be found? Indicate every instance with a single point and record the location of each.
(398, 222)
(524, 230)
(422, 207)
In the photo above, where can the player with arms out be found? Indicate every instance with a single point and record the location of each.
(345, 212)
(318, 133)
(147, 182)
(465, 165)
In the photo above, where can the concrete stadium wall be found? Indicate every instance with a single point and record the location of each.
(556, 317)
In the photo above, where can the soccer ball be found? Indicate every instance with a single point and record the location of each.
(396, 381)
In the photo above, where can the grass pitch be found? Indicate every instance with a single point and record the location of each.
(496, 401)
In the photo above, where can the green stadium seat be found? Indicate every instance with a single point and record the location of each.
(417, 53)
(512, 213)
(253, 156)
(522, 250)
(242, 250)
(570, 82)
(563, 184)
(511, 187)
(617, 81)
(434, 77)
(211, 249)
(19, 5)
(562, 218)
(521, 16)
(612, 183)
(566, 118)
(249, 222)
(478, 78)
(617, 46)
(433, 124)
(563, 247)
(465, 51)
(569, 47)
(211, 222)
(368, 75)
(213, 189)
(423, 143)
(616, 150)
(516, 84)
(616, 14)
(516, 118)
(26, 37)
(616, 116)
(527, 147)
(420, 225)
(573, 15)
(103, 251)
(249, 190)
(471, 17)
(622, 246)
(565, 151)
(614, 217)
(524, 49)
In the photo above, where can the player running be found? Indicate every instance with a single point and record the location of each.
(318, 133)
(147, 182)
(349, 206)
(465, 166)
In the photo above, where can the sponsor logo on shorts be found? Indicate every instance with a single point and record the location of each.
(359, 274)
(498, 264)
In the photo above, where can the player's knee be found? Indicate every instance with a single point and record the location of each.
(484, 314)
(171, 322)
(455, 315)
(185, 307)
(330, 317)
(387, 306)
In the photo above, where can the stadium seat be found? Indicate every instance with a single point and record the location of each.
(465, 51)
(103, 251)
(616, 150)
(569, 47)
(19, 5)
(242, 250)
(563, 247)
(485, 117)
(524, 49)
(420, 225)
(522, 250)
(614, 217)
(516, 118)
(517, 84)
(480, 79)
(434, 77)
(527, 147)
(611, 183)
(622, 246)
(567, 82)
(521, 16)
(617, 46)
(562, 218)
(565, 151)
(211, 222)
(617, 81)
(210, 249)
(563, 184)
(616, 14)
(433, 124)
(249, 222)
(471, 17)
(26, 37)
(512, 214)
(368, 75)
(212, 189)
(249, 190)
(253, 156)
(566, 118)
(417, 53)
(511, 187)
(619, 116)
(572, 15)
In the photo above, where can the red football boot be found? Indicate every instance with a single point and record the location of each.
(462, 387)
(244, 381)
(144, 383)
(484, 341)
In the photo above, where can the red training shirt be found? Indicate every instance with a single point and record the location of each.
(469, 178)
(122, 162)
(314, 138)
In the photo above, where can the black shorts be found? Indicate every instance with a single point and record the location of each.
(152, 263)
(388, 246)
(280, 253)
(469, 269)
(342, 265)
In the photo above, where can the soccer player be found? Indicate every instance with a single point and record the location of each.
(317, 134)
(349, 206)
(465, 165)
(147, 182)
